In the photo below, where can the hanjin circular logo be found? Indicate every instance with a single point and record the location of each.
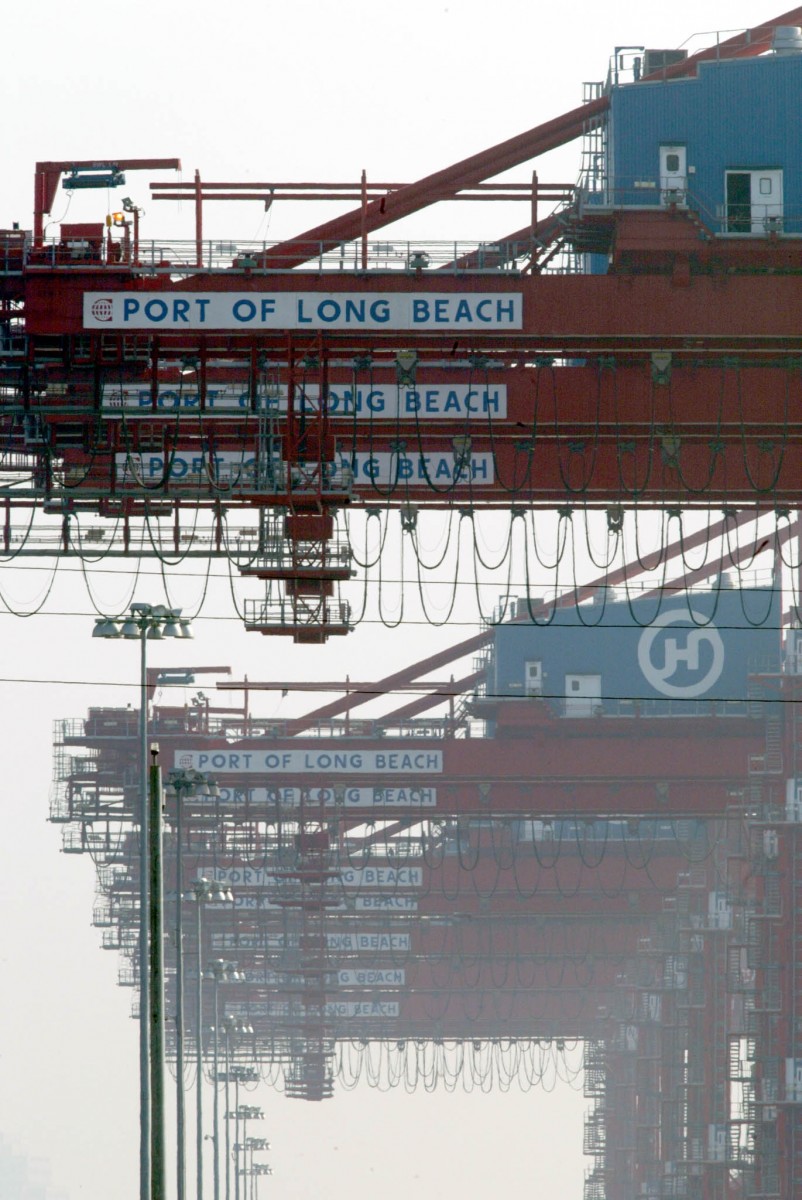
(685, 663)
(102, 309)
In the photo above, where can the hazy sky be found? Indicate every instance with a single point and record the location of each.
(310, 89)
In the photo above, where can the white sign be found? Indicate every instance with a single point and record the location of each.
(261, 903)
(264, 976)
(239, 466)
(674, 652)
(426, 402)
(245, 876)
(350, 877)
(358, 942)
(359, 877)
(394, 903)
(442, 470)
(355, 943)
(252, 902)
(341, 1008)
(312, 762)
(362, 1008)
(261, 1008)
(391, 977)
(348, 797)
(304, 310)
(253, 941)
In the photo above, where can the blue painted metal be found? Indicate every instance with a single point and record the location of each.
(741, 115)
(680, 668)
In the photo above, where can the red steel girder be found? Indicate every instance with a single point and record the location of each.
(485, 938)
(570, 1011)
(616, 766)
(750, 316)
(441, 979)
(659, 470)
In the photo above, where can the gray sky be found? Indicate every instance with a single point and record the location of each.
(305, 90)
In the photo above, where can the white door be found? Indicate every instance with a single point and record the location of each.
(673, 174)
(754, 201)
(533, 678)
(767, 201)
(582, 695)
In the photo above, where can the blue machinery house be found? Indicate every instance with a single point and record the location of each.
(725, 144)
(677, 656)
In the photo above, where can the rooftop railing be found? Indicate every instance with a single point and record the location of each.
(753, 220)
(167, 256)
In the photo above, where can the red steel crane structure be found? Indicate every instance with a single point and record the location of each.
(632, 882)
(149, 379)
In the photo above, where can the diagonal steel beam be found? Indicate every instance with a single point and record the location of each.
(446, 183)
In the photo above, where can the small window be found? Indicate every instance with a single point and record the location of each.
(765, 186)
(672, 162)
(574, 685)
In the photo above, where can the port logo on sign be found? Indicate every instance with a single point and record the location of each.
(685, 662)
(102, 309)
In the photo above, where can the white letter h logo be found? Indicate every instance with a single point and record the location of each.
(690, 655)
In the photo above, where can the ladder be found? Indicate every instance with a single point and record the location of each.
(593, 160)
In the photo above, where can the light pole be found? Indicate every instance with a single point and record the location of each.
(204, 891)
(240, 1074)
(230, 1024)
(232, 1027)
(180, 785)
(258, 1169)
(145, 621)
(158, 1162)
(255, 1168)
(221, 971)
(246, 1113)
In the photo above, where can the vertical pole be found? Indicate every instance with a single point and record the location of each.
(144, 928)
(202, 383)
(154, 376)
(236, 1137)
(245, 1157)
(216, 1140)
(797, 607)
(534, 204)
(199, 1057)
(158, 1162)
(180, 1110)
(228, 1126)
(289, 455)
(364, 221)
(40, 184)
(198, 221)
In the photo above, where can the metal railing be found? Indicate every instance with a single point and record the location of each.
(158, 256)
(334, 553)
(649, 191)
(298, 613)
